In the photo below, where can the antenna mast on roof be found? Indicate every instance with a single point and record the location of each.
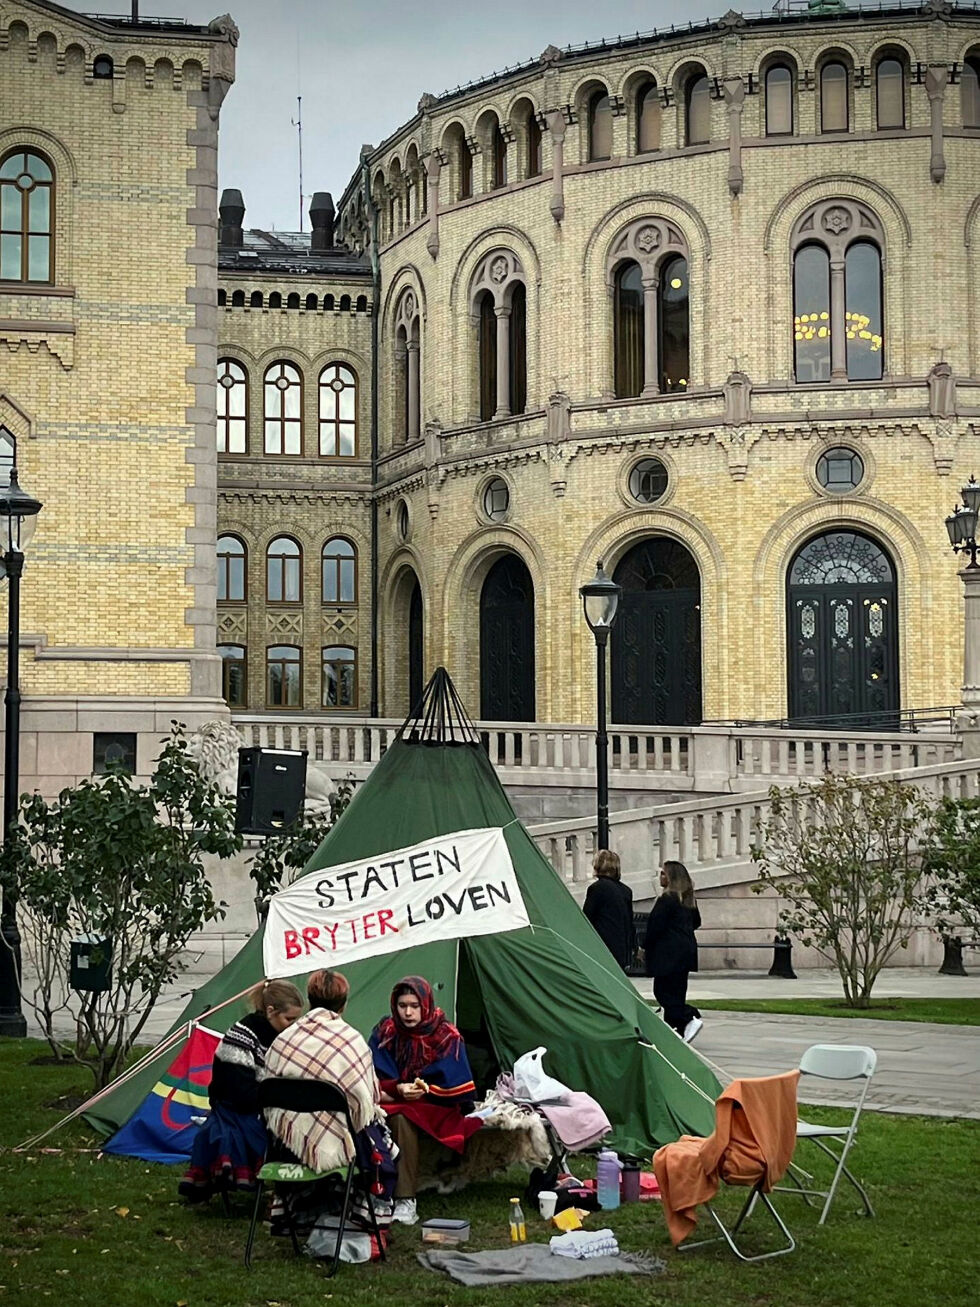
(298, 124)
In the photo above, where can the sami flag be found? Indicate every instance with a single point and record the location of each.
(163, 1127)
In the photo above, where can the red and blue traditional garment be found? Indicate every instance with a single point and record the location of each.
(432, 1051)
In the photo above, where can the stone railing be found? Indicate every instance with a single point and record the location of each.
(712, 759)
(713, 837)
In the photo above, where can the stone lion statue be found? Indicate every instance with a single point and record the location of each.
(213, 748)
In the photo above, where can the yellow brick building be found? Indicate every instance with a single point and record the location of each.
(703, 305)
(108, 167)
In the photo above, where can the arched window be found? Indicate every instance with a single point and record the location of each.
(673, 347)
(834, 97)
(237, 299)
(488, 356)
(292, 300)
(779, 101)
(283, 408)
(338, 411)
(345, 304)
(275, 300)
(26, 218)
(465, 162)
(232, 560)
(232, 408)
(222, 299)
(339, 677)
(811, 313)
(255, 300)
(498, 155)
(518, 348)
(234, 681)
(838, 324)
(339, 572)
(697, 110)
(283, 676)
(890, 93)
(284, 571)
(647, 117)
(600, 126)
(970, 91)
(533, 144)
(329, 303)
(312, 301)
(408, 365)
(102, 68)
(628, 330)
(862, 316)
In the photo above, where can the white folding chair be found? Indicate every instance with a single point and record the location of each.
(836, 1062)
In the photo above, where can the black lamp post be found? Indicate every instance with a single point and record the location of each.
(962, 522)
(18, 517)
(600, 599)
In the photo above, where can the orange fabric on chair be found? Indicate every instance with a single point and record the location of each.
(753, 1139)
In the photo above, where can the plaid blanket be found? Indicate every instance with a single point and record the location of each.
(322, 1046)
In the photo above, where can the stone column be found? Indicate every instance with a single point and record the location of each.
(838, 333)
(556, 125)
(651, 359)
(968, 719)
(412, 381)
(936, 77)
(734, 89)
(503, 362)
(433, 164)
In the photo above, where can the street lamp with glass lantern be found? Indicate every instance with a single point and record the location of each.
(600, 599)
(18, 518)
(961, 526)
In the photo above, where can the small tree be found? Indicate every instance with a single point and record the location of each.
(281, 858)
(952, 857)
(843, 852)
(120, 863)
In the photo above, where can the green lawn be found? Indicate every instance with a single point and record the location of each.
(94, 1232)
(945, 1011)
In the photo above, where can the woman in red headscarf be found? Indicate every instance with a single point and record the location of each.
(425, 1080)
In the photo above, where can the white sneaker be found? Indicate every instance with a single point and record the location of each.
(405, 1211)
(692, 1030)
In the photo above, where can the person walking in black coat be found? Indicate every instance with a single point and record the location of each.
(672, 950)
(609, 907)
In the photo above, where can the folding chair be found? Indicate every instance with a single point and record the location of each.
(751, 1147)
(834, 1062)
(282, 1169)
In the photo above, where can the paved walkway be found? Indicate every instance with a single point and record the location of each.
(932, 1070)
(922, 1068)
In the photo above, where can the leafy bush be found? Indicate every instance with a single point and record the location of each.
(952, 857)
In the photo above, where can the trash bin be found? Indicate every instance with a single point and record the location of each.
(90, 963)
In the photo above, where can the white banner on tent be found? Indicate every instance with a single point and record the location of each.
(447, 887)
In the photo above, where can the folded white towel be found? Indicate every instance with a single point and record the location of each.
(585, 1243)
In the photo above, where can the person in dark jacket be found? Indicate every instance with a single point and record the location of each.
(609, 907)
(672, 950)
(228, 1149)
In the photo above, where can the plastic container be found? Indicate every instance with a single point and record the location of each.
(445, 1232)
(608, 1168)
(629, 1188)
(518, 1229)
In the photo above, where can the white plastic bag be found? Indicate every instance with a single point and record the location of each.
(532, 1084)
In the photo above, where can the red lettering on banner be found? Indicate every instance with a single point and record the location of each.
(368, 924)
(291, 939)
(384, 918)
(311, 937)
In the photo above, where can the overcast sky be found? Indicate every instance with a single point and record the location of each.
(361, 68)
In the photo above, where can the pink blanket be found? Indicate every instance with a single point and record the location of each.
(579, 1122)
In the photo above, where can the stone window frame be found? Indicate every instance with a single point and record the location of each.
(403, 521)
(497, 274)
(844, 439)
(337, 559)
(626, 468)
(227, 362)
(779, 59)
(332, 425)
(284, 662)
(336, 662)
(878, 57)
(638, 84)
(649, 242)
(971, 58)
(284, 557)
(223, 572)
(408, 364)
(24, 232)
(836, 224)
(483, 490)
(685, 81)
(843, 57)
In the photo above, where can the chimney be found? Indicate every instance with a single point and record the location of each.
(231, 212)
(321, 221)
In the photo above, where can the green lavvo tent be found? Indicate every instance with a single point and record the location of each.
(552, 983)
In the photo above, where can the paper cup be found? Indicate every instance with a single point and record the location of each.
(547, 1201)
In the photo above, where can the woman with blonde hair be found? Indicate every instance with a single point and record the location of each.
(228, 1150)
(609, 907)
(672, 951)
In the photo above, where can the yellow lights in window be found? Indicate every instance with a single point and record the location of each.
(676, 283)
(816, 326)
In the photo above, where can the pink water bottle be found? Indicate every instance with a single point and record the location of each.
(608, 1168)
